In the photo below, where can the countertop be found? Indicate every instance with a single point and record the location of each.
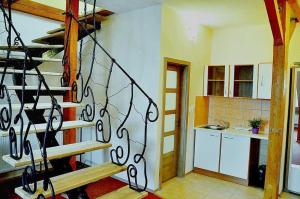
(234, 131)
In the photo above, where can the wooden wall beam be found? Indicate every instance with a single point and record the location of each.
(278, 117)
(71, 48)
(38, 9)
(296, 8)
(275, 21)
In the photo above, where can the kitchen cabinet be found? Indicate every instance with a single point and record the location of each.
(216, 80)
(264, 81)
(235, 153)
(207, 149)
(243, 81)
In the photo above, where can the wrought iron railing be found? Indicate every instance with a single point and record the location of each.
(94, 110)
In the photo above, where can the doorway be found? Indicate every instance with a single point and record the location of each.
(175, 106)
(293, 157)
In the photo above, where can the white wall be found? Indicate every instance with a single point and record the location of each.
(184, 40)
(133, 39)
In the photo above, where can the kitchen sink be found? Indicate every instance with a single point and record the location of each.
(215, 127)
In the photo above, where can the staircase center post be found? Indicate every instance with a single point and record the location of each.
(71, 40)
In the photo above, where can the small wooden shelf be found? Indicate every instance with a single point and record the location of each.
(244, 81)
(216, 80)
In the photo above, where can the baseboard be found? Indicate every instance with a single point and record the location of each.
(221, 176)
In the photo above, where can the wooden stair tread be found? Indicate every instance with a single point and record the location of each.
(124, 193)
(39, 128)
(53, 88)
(58, 36)
(31, 47)
(72, 180)
(40, 59)
(28, 72)
(58, 152)
(40, 106)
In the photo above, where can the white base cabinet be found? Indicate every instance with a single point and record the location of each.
(207, 149)
(222, 152)
(235, 153)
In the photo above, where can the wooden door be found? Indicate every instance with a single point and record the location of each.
(171, 130)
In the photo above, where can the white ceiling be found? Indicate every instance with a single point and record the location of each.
(222, 13)
(119, 6)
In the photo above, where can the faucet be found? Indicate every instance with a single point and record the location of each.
(223, 123)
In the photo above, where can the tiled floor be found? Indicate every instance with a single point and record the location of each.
(195, 186)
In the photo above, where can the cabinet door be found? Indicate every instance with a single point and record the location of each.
(207, 150)
(264, 81)
(243, 81)
(216, 80)
(235, 153)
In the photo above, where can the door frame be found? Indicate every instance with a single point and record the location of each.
(288, 149)
(185, 81)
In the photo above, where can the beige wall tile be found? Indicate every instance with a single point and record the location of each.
(237, 111)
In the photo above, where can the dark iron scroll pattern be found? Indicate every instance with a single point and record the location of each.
(19, 143)
(122, 153)
(82, 91)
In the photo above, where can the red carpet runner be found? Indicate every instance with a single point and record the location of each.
(102, 187)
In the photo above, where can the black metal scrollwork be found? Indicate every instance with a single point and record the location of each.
(19, 143)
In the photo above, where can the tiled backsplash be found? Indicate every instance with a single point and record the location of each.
(238, 111)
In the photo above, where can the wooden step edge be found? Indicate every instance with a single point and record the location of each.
(41, 106)
(40, 59)
(53, 88)
(16, 71)
(59, 34)
(30, 47)
(58, 152)
(39, 128)
(124, 193)
(72, 180)
(58, 31)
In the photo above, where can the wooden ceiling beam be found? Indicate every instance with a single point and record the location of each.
(296, 8)
(39, 9)
(275, 21)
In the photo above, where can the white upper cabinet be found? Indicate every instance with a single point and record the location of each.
(243, 81)
(264, 81)
(216, 80)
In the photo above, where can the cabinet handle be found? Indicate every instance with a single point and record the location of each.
(212, 135)
(231, 138)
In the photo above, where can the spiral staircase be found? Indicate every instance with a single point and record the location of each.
(63, 179)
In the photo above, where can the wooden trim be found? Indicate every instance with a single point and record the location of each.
(166, 134)
(171, 90)
(221, 176)
(296, 8)
(170, 112)
(201, 111)
(275, 21)
(293, 88)
(38, 9)
(70, 113)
